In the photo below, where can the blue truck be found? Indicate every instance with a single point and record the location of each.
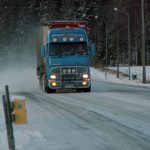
(63, 56)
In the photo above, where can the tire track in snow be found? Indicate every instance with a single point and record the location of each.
(89, 119)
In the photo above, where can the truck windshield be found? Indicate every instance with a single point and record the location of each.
(61, 49)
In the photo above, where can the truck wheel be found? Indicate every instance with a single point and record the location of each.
(79, 90)
(49, 90)
(87, 89)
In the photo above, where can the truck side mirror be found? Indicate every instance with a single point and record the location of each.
(92, 49)
(43, 51)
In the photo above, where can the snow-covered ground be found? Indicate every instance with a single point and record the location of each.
(134, 70)
(19, 80)
(111, 76)
(31, 135)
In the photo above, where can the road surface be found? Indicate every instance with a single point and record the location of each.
(111, 117)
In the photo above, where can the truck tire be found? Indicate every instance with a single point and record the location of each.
(79, 90)
(87, 89)
(49, 90)
(84, 89)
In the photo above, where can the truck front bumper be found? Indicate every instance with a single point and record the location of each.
(69, 84)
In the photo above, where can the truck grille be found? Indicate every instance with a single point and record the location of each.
(70, 77)
(69, 73)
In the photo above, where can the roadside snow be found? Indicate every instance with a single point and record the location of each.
(21, 79)
(135, 70)
(24, 80)
(98, 74)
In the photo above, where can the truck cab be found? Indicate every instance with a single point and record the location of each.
(66, 57)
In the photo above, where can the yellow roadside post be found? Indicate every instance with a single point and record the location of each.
(19, 111)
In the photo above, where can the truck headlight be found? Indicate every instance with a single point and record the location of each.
(53, 76)
(84, 83)
(85, 76)
(54, 84)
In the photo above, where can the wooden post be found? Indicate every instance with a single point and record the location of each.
(8, 119)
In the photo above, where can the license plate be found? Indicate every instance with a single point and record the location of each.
(69, 86)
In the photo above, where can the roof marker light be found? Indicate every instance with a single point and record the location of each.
(81, 39)
(64, 39)
(71, 39)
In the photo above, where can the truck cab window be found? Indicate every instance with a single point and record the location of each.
(61, 49)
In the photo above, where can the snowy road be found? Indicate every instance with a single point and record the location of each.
(111, 117)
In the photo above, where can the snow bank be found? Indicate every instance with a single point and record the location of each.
(98, 74)
(135, 70)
